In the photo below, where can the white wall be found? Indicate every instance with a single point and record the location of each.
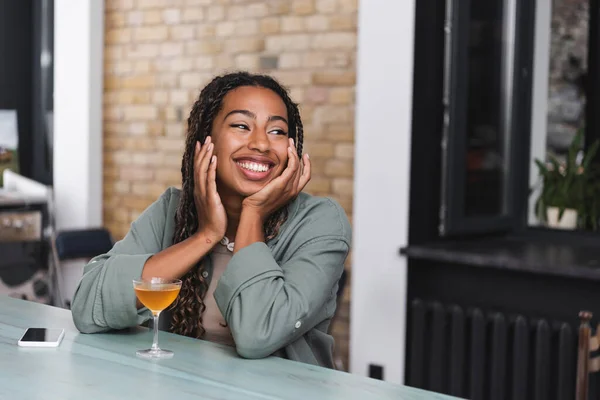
(381, 185)
(539, 106)
(78, 47)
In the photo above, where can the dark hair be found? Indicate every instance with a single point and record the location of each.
(189, 306)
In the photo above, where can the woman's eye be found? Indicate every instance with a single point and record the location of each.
(278, 132)
(240, 126)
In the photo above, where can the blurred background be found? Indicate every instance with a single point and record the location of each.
(459, 136)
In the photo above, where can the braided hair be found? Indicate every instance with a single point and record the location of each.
(189, 306)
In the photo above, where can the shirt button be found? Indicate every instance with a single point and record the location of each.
(205, 274)
(298, 324)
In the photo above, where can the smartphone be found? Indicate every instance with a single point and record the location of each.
(41, 337)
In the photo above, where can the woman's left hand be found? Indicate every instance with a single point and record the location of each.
(282, 189)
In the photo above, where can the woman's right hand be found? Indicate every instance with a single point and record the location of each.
(212, 218)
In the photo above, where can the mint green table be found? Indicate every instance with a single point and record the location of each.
(104, 366)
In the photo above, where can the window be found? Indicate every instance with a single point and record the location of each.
(486, 115)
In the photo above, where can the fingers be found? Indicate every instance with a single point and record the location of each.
(305, 176)
(289, 174)
(202, 163)
(212, 178)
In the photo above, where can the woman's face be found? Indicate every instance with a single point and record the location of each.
(250, 135)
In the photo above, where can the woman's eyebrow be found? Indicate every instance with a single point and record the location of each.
(250, 114)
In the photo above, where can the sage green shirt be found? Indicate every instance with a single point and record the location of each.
(277, 297)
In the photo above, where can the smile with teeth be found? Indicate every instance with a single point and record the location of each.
(254, 166)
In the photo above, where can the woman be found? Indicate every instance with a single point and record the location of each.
(259, 260)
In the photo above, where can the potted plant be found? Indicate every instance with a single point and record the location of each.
(568, 188)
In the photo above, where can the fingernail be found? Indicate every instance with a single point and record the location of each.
(307, 156)
(197, 144)
(212, 159)
(207, 140)
(292, 142)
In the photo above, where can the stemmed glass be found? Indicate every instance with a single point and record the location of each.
(156, 294)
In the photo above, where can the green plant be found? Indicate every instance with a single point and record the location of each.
(570, 184)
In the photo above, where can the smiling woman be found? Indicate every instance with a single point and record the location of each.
(259, 259)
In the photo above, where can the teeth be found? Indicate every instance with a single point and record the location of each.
(252, 166)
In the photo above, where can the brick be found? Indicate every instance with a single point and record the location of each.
(339, 168)
(150, 3)
(150, 34)
(119, 5)
(136, 174)
(143, 50)
(165, 175)
(347, 6)
(111, 113)
(135, 18)
(205, 30)
(279, 7)
(171, 49)
(246, 61)
(339, 59)
(204, 63)
(193, 80)
(326, 6)
(115, 19)
(137, 203)
(203, 47)
(317, 23)
(290, 60)
(170, 144)
(246, 27)
(152, 17)
(319, 149)
(142, 67)
(296, 94)
(246, 45)
(182, 32)
(257, 10)
(344, 151)
(337, 114)
(279, 43)
(341, 95)
(193, 14)
(314, 60)
(334, 40)
(292, 24)
(303, 7)
(198, 2)
(160, 97)
(140, 112)
(171, 16)
(291, 78)
(118, 35)
(343, 186)
(334, 78)
(342, 22)
(268, 62)
(216, 13)
(178, 96)
(316, 95)
(269, 25)
(174, 129)
(138, 82)
(235, 13)
(224, 62)
(225, 29)
(319, 185)
(337, 132)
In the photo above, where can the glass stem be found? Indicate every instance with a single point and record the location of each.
(155, 341)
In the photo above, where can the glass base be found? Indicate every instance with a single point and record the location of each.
(154, 353)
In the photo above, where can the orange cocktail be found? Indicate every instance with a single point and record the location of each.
(156, 294)
(157, 298)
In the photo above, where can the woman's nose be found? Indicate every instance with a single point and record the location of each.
(259, 140)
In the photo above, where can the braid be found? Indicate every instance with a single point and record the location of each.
(189, 306)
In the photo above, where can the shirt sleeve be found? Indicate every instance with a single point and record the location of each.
(267, 305)
(104, 298)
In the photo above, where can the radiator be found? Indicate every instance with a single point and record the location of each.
(477, 354)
